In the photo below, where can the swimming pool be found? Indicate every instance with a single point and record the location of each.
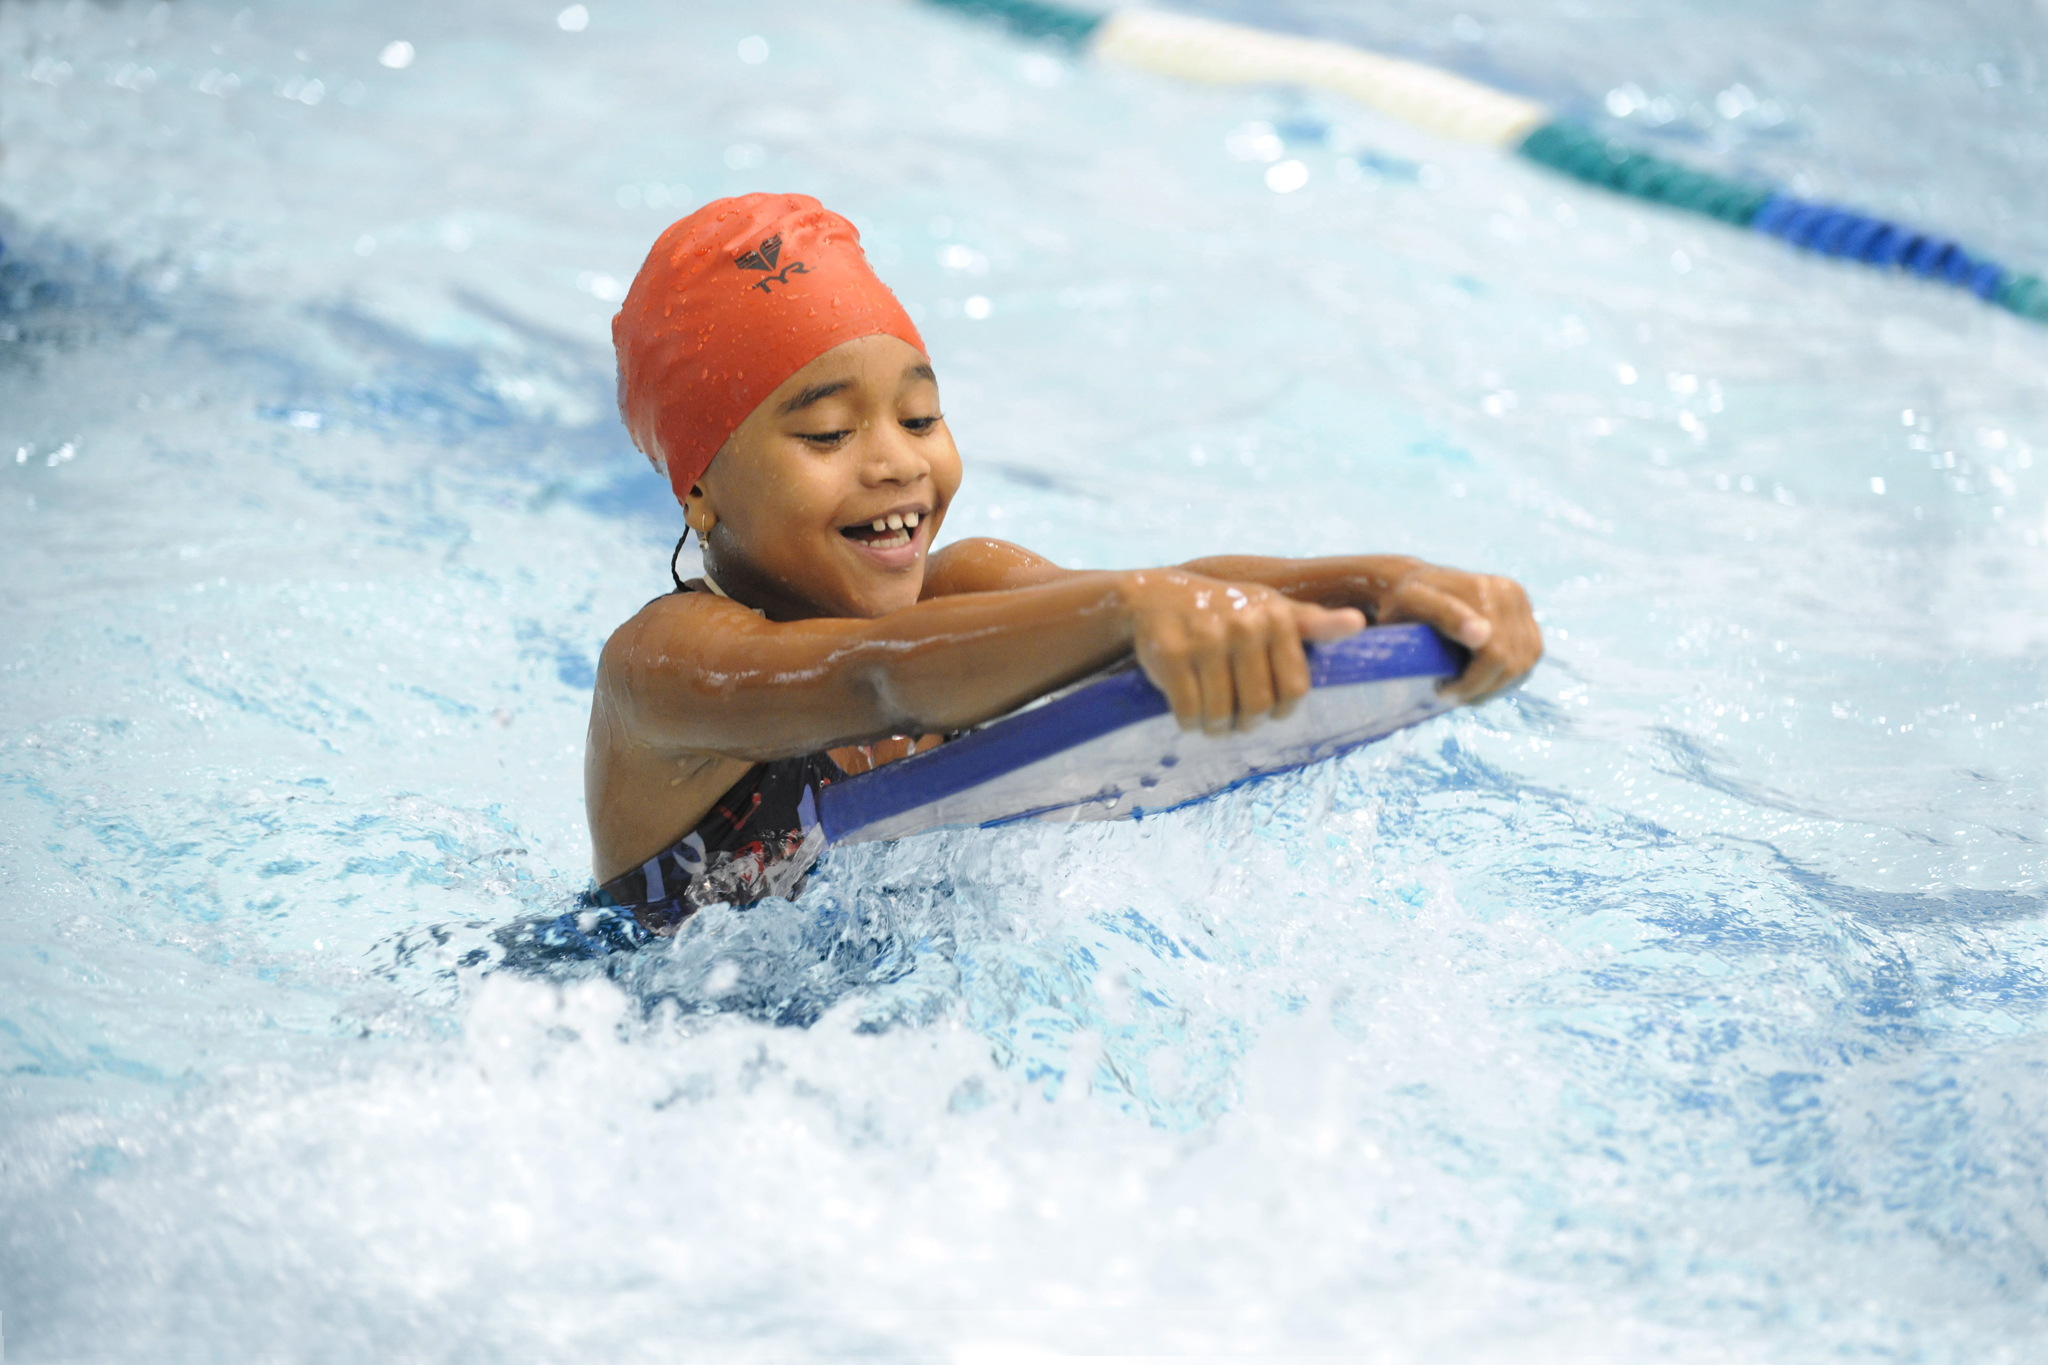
(1688, 1005)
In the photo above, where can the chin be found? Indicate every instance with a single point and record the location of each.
(892, 599)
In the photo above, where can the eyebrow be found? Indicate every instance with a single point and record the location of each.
(804, 398)
(811, 395)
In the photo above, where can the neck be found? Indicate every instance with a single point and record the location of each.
(735, 580)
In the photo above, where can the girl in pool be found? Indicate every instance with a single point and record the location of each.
(784, 392)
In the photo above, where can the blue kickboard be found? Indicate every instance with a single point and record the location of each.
(1109, 748)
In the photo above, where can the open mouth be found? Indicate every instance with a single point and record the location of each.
(892, 532)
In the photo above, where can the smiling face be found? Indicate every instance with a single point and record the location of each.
(852, 442)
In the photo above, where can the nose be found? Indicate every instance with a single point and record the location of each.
(891, 455)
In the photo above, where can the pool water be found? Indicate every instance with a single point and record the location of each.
(1690, 1004)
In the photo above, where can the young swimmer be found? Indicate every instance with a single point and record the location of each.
(784, 391)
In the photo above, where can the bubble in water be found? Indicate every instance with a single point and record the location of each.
(1254, 141)
(1624, 100)
(1041, 69)
(1286, 177)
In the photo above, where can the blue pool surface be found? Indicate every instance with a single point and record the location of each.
(1690, 1004)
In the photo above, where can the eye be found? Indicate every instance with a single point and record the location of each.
(822, 440)
(920, 425)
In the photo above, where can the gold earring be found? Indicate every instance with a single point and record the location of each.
(700, 519)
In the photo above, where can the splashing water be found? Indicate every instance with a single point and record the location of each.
(1688, 1004)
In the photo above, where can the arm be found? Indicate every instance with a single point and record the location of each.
(705, 674)
(1488, 615)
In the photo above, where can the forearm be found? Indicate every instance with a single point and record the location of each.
(1337, 581)
(768, 690)
(953, 662)
(1360, 581)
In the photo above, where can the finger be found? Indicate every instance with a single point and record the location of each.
(1251, 669)
(1184, 692)
(1290, 668)
(1322, 625)
(1461, 621)
(1166, 664)
(1517, 643)
(1482, 677)
(1453, 616)
(1525, 644)
(1491, 671)
(1219, 695)
(1481, 673)
(1511, 657)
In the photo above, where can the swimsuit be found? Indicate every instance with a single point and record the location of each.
(757, 840)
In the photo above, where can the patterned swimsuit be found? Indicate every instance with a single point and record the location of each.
(758, 840)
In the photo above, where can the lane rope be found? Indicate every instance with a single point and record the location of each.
(1454, 107)
(1206, 50)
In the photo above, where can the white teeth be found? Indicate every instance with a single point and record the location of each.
(892, 532)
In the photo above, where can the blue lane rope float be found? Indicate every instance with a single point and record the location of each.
(1853, 236)
(1452, 106)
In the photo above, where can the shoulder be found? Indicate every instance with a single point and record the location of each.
(680, 609)
(985, 565)
(669, 631)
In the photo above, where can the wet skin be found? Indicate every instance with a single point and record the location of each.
(868, 644)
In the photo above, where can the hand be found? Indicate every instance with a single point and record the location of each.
(1227, 655)
(1488, 615)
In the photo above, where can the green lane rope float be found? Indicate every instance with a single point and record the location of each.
(1033, 19)
(1453, 107)
(1583, 154)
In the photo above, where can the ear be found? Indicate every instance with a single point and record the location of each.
(697, 512)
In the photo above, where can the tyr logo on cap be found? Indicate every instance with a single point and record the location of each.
(763, 258)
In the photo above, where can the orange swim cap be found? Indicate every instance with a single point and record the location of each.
(733, 300)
